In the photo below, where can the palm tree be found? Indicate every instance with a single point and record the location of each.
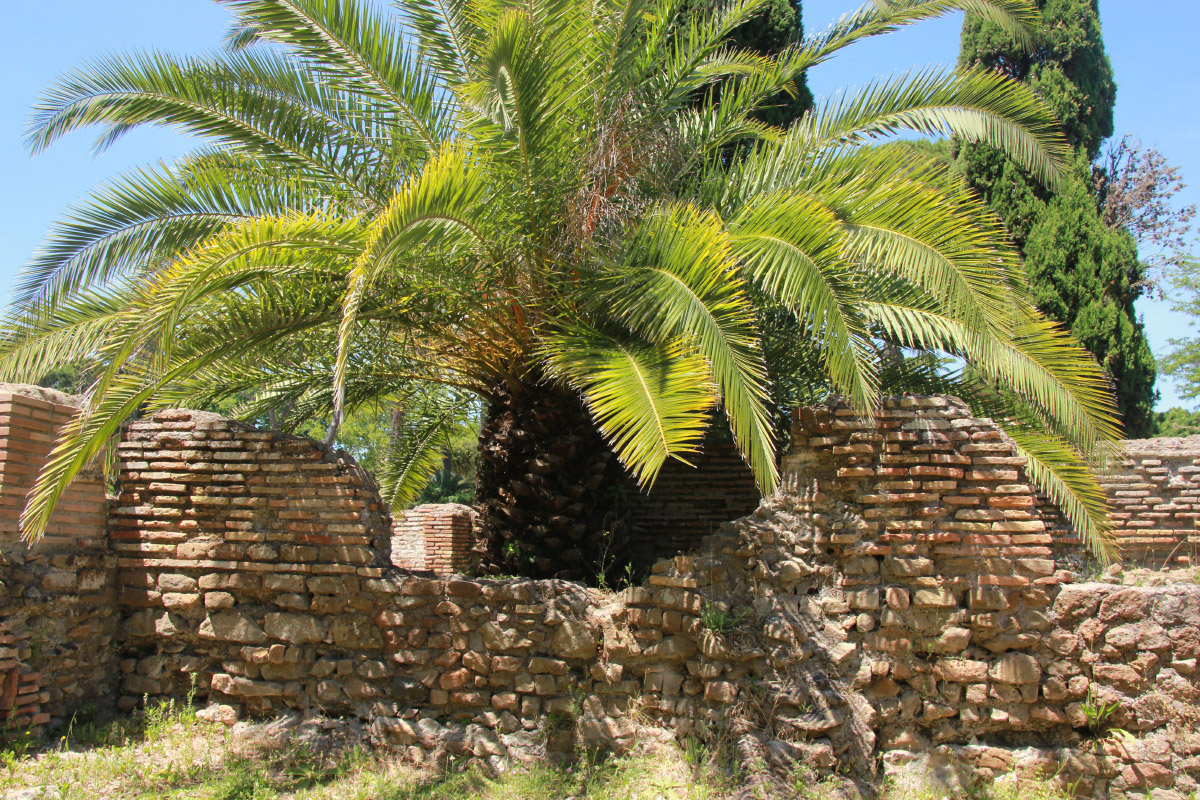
(568, 209)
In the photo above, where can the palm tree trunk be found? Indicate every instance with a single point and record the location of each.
(551, 494)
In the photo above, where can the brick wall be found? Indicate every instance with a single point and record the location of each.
(898, 594)
(217, 521)
(57, 610)
(896, 606)
(435, 537)
(1154, 491)
(1155, 496)
(688, 503)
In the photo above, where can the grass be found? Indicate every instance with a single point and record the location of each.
(718, 618)
(166, 752)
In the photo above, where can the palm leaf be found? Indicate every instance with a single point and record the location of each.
(650, 402)
(678, 279)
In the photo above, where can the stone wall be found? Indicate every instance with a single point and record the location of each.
(962, 635)
(895, 606)
(57, 609)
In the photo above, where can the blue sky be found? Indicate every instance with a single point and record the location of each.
(1153, 47)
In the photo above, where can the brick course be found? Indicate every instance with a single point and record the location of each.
(690, 502)
(1154, 491)
(435, 537)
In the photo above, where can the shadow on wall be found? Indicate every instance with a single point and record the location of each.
(686, 504)
(58, 615)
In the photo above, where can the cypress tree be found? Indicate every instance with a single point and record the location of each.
(1084, 274)
(782, 24)
(779, 25)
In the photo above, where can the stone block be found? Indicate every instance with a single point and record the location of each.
(899, 568)
(1016, 668)
(217, 601)
(575, 639)
(231, 626)
(723, 692)
(934, 598)
(295, 628)
(961, 670)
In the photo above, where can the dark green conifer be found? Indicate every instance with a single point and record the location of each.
(1083, 274)
(779, 26)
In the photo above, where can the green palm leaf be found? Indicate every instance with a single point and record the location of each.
(651, 402)
(678, 279)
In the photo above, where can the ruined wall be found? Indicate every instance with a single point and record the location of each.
(1154, 492)
(688, 503)
(57, 604)
(1153, 489)
(435, 537)
(220, 525)
(894, 605)
(973, 654)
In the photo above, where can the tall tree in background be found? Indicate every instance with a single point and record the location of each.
(781, 25)
(1084, 273)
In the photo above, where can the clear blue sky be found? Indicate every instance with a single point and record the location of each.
(1153, 47)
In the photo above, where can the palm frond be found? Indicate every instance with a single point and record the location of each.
(792, 248)
(650, 402)
(353, 43)
(678, 279)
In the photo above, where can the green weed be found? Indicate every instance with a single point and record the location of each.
(243, 780)
(718, 618)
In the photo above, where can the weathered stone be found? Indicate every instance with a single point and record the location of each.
(898, 599)
(218, 712)
(1122, 676)
(676, 648)
(907, 567)
(244, 687)
(217, 601)
(961, 670)
(357, 631)
(171, 582)
(180, 601)
(231, 626)
(1131, 604)
(575, 639)
(720, 691)
(455, 679)
(934, 598)
(153, 623)
(295, 628)
(1016, 668)
(498, 638)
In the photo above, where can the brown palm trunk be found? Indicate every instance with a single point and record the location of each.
(551, 494)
